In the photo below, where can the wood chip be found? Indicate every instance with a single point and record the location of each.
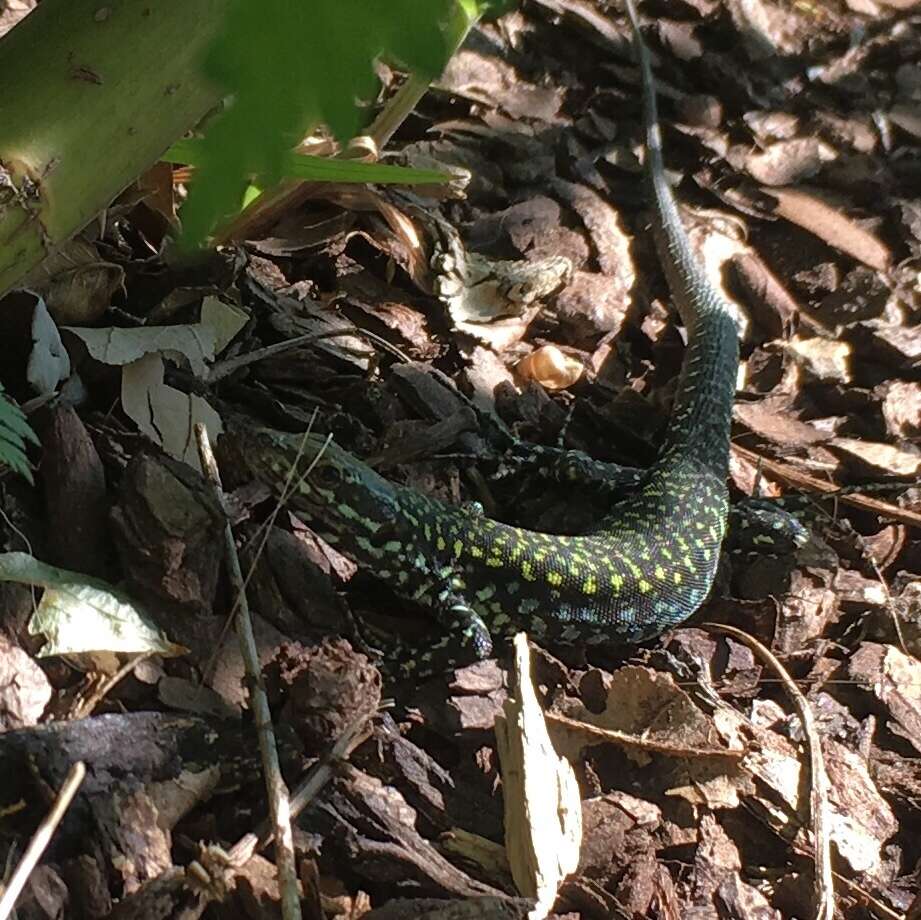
(543, 808)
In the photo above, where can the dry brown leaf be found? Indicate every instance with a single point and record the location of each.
(815, 211)
(897, 461)
(778, 426)
(786, 162)
(76, 282)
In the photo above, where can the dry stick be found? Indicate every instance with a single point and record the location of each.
(885, 509)
(599, 735)
(262, 535)
(41, 838)
(221, 369)
(861, 895)
(804, 481)
(824, 880)
(856, 893)
(99, 694)
(279, 806)
(307, 789)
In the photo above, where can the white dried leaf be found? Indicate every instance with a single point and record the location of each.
(197, 343)
(166, 415)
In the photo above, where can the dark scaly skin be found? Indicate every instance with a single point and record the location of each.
(646, 565)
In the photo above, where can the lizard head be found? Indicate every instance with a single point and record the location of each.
(317, 479)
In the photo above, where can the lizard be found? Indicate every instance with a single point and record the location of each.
(647, 564)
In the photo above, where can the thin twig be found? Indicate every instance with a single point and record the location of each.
(262, 535)
(597, 735)
(317, 777)
(221, 369)
(279, 804)
(824, 879)
(41, 838)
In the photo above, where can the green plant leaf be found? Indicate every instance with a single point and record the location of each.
(14, 432)
(290, 65)
(191, 152)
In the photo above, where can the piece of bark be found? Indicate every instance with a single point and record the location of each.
(169, 525)
(324, 688)
(369, 827)
(135, 750)
(75, 495)
(488, 908)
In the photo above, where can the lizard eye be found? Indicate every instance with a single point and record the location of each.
(327, 475)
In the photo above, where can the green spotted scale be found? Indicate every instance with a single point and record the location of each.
(647, 564)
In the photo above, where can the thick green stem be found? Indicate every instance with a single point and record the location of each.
(94, 91)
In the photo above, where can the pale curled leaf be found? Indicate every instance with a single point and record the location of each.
(49, 362)
(80, 614)
(223, 320)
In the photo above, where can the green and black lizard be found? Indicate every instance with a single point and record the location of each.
(647, 564)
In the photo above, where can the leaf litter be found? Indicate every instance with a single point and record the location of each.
(692, 766)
